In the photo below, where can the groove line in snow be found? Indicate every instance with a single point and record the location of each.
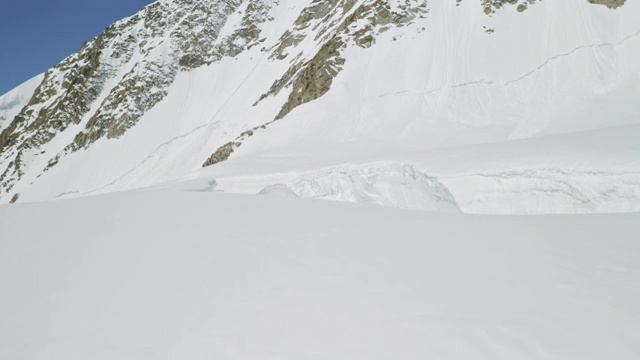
(153, 153)
(536, 173)
(526, 75)
(570, 53)
(212, 123)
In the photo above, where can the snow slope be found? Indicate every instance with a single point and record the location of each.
(185, 274)
(12, 102)
(595, 171)
(438, 88)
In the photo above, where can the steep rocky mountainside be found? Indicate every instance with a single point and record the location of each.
(187, 83)
(106, 87)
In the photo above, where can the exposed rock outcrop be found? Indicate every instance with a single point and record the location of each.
(222, 153)
(611, 4)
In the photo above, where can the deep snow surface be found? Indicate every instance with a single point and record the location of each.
(186, 274)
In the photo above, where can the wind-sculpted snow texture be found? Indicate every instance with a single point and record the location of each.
(396, 185)
(246, 82)
(564, 191)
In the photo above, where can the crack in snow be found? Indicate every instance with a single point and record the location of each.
(211, 123)
(570, 53)
(526, 75)
(535, 173)
(214, 125)
(572, 183)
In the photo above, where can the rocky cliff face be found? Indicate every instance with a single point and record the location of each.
(103, 91)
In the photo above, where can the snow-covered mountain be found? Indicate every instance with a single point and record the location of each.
(475, 106)
(178, 112)
(12, 102)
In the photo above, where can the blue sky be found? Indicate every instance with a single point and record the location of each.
(37, 34)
